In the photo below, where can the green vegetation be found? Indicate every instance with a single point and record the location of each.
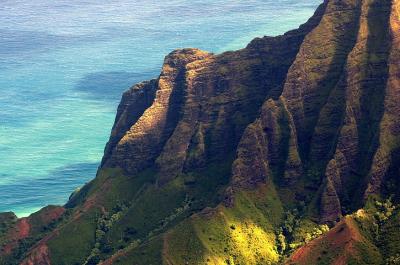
(184, 195)
(149, 253)
(104, 224)
(171, 198)
(7, 220)
(74, 240)
(380, 225)
(128, 215)
(243, 234)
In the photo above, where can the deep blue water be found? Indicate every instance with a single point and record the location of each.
(65, 63)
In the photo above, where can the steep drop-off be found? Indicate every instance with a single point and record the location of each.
(284, 152)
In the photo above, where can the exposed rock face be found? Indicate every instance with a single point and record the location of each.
(314, 75)
(268, 147)
(141, 143)
(335, 95)
(297, 129)
(330, 203)
(389, 130)
(133, 103)
(202, 104)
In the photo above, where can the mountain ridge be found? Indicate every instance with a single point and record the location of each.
(284, 152)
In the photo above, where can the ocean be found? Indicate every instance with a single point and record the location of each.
(65, 63)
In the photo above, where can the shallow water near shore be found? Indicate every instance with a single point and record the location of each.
(64, 65)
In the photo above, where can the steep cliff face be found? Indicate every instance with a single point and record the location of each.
(247, 157)
(202, 104)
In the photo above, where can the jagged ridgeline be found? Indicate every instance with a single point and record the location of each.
(284, 152)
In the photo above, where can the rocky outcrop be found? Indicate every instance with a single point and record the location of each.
(334, 94)
(389, 127)
(203, 103)
(133, 104)
(331, 210)
(142, 142)
(268, 142)
(314, 75)
(268, 148)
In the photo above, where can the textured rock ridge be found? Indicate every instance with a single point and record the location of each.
(133, 104)
(389, 134)
(141, 143)
(268, 148)
(202, 104)
(247, 157)
(337, 93)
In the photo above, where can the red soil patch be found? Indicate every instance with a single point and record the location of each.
(23, 228)
(52, 214)
(165, 249)
(341, 239)
(109, 261)
(39, 256)
(39, 253)
(20, 231)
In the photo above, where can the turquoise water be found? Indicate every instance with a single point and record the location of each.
(64, 65)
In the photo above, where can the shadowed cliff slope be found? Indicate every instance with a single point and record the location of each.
(284, 152)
